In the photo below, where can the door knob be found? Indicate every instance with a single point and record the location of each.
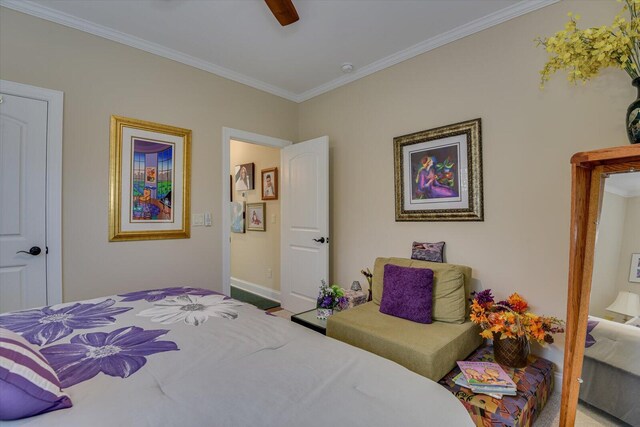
(33, 251)
(320, 240)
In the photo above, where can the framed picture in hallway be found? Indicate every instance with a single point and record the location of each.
(255, 217)
(237, 217)
(438, 174)
(149, 180)
(244, 177)
(269, 184)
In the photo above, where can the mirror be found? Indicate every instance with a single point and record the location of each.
(591, 172)
(611, 365)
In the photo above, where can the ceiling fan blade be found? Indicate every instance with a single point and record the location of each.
(284, 11)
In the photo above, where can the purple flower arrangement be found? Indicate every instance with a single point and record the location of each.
(331, 297)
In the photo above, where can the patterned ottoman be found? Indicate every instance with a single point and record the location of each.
(535, 383)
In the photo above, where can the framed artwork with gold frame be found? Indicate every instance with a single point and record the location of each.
(438, 174)
(149, 181)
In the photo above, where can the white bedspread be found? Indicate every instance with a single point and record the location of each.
(251, 370)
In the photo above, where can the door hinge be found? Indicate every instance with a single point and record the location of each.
(46, 250)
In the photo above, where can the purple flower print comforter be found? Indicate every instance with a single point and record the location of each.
(192, 357)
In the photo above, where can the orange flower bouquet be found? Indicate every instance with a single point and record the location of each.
(511, 318)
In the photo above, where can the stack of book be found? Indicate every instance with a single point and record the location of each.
(486, 378)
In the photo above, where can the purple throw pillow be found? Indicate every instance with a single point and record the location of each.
(28, 385)
(407, 293)
(425, 251)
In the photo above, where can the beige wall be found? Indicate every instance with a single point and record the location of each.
(100, 78)
(611, 229)
(528, 135)
(630, 244)
(253, 252)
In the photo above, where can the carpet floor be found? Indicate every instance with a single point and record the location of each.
(253, 299)
(587, 415)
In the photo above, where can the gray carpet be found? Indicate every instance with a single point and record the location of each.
(257, 300)
(587, 415)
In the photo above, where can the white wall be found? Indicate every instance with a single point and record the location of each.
(100, 78)
(253, 252)
(604, 283)
(528, 136)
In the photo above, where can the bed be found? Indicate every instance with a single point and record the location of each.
(611, 369)
(193, 357)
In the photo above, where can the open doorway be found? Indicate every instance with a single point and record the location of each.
(251, 250)
(255, 224)
(304, 216)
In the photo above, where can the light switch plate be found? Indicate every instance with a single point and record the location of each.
(198, 220)
(207, 219)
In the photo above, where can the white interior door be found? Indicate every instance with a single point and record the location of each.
(305, 223)
(23, 171)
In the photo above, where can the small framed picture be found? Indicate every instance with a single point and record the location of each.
(237, 217)
(256, 213)
(244, 177)
(634, 272)
(270, 184)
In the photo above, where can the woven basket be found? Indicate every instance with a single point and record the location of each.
(512, 352)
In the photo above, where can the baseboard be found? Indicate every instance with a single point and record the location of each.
(260, 290)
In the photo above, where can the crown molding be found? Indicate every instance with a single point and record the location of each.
(510, 12)
(442, 39)
(39, 11)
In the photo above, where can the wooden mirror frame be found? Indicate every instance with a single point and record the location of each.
(587, 178)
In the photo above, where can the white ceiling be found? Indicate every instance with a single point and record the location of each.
(241, 40)
(623, 184)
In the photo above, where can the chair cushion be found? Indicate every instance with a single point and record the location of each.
(407, 293)
(451, 287)
(429, 350)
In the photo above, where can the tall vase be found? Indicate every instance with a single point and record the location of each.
(512, 352)
(633, 116)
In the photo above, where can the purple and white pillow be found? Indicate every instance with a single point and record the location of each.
(425, 251)
(28, 384)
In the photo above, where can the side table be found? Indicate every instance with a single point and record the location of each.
(309, 320)
(534, 382)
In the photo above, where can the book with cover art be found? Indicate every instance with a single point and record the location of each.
(487, 375)
(462, 381)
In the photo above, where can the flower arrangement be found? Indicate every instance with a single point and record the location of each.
(331, 297)
(583, 53)
(511, 319)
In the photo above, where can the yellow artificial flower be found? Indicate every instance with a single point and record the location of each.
(583, 53)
